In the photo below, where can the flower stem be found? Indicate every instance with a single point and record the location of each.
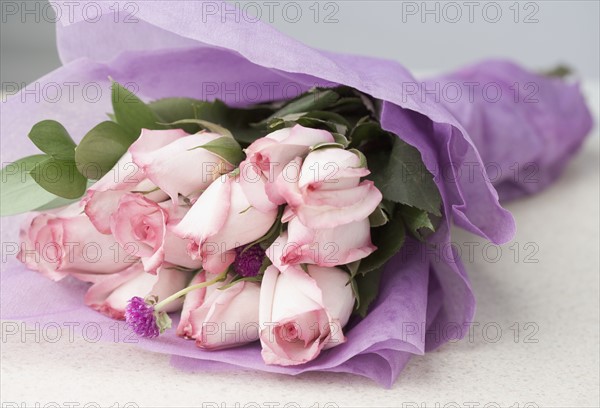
(187, 290)
(559, 71)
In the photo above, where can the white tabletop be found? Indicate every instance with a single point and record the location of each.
(536, 342)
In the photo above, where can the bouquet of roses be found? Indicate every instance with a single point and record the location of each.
(265, 222)
(315, 224)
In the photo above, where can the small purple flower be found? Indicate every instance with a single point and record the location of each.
(248, 260)
(141, 317)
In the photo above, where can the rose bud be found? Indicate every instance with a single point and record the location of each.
(271, 153)
(158, 164)
(102, 198)
(183, 167)
(110, 294)
(248, 262)
(324, 247)
(229, 214)
(144, 228)
(219, 319)
(63, 242)
(302, 313)
(193, 300)
(324, 190)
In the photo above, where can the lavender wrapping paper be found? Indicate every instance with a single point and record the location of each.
(526, 128)
(175, 50)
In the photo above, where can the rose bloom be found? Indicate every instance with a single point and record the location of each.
(324, 247)
(159, 164)
(144, 228)
(231, 212)
(64, 242)
(217, 318)
(110, 294)
(302, 313)
(324, 190)
(271, 153)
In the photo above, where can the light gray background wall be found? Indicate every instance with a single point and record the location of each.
(540, 35)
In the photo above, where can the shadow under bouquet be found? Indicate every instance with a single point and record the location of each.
(270, 206)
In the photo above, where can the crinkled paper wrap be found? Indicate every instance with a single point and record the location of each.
(176, 51)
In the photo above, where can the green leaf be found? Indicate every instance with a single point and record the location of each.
(56, 203)
(365, 132)
(276, 124)
(291, 118)
(101, 148)
(378, 217)
(354, 105)
(404, 179)
(236, 120)
(417, 221)
(60, 201)
(365, 278)
(361, 157)
(327, 120)
(19, 192)
(52, 138)
(204, 124)
(316, 100)
(226, 148)
(559, 71)
(59, 177)
(388, 239)
(352, 267)
(174, 109)
(341, 139)
(131, 113)
(366, 289)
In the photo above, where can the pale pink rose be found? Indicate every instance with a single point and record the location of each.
(324, 190)
(102, 198)
(228, 214)
(144, 228)
(302, 313)
(110, 294)
(63, 242)
(219, 319)
(324, 247)
(159, 164)
(193, 300)
(271, 153)
(181, 167)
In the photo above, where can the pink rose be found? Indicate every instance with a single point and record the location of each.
(102, 198)
(63, 242)
(230, 213)
(272, 152)
(159, 164)
(181, 167)
(324, 247)
(219, 319)
(144, 228)
(324, 190)
(193, 300)
(110, 294)
(302, 313)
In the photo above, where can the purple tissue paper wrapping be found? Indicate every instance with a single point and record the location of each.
(174, 50)
(526, 128)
